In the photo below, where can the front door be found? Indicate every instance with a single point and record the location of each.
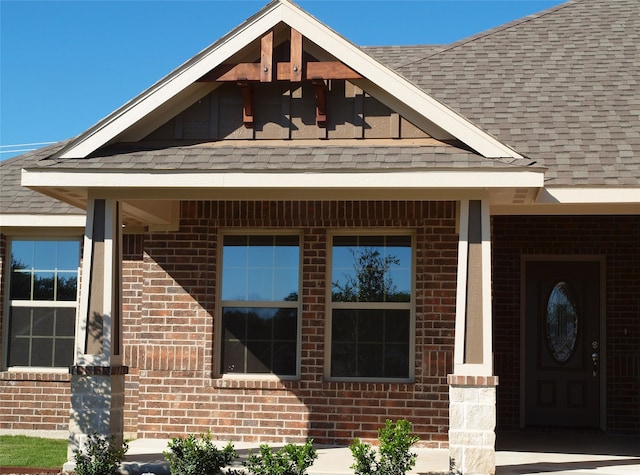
(562, 344)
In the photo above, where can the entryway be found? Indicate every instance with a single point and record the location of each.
(562, 346)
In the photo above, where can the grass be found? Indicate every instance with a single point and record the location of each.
(35, 452)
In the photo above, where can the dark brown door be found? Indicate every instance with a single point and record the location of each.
(562, 344)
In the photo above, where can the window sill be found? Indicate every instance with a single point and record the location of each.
(253, 381)
(36, 374)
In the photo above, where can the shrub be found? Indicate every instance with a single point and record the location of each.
(394, 457)
(102, 456)
(289, 460)
(198, 456)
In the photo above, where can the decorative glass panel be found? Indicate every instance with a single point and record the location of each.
(561, 322)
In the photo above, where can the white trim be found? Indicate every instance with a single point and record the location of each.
(461, 289)
(42, 221)
(282, 11)
(487, 286)
(486, 367)
(349, 179)
(589, 195)
(83, 289)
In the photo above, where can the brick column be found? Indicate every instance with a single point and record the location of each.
(97, 377)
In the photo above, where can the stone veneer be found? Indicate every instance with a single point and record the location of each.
(472, 422)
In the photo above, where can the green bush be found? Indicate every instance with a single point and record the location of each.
(394, 457)
(198, 456)
(102, 456)
(289, 460)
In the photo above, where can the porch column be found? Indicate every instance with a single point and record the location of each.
(97, 377)
(472, 386)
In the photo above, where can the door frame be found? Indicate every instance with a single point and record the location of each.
(601, 260)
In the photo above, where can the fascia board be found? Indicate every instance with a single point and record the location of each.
(173, 84)
(42, 221)
(589, 195)
(156, 179)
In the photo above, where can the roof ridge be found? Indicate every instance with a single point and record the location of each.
(493, 31)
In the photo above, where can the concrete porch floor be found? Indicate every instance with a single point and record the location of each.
(518, 453)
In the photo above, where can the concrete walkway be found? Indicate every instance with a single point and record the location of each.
(517, 453)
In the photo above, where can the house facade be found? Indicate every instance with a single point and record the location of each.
(290, 237)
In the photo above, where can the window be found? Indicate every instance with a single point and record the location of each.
(42, 311)
(371, 307)
(260, 304)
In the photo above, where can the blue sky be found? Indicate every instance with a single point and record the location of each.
(64, 65)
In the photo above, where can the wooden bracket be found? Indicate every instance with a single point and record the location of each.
(266, 57)
(247, 103)
(320, 89)
(295, 54)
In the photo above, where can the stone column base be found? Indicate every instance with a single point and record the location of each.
(472, 423)
(97, 405)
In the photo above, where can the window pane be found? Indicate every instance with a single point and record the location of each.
(42, 352)
(234, 284)
(20, 285)
(259, 340)
(22, 254)
(260, 284)
(284, 357)
(233, 357)
(63, 352)
(284, 324)
(68, 255)
(371, 269)
(20, 322)
(370, 361)
(260, 324)
(258, 356)
(285, 285)
(260, 268)
(43, 320)
(45, 255)
(43, 286)
(67, 283)
(19, 350)
(370, 343)
(66, 322)
(234, 322)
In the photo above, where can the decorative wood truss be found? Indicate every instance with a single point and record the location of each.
(294, 71)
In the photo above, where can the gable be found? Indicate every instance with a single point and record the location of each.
(239, 57)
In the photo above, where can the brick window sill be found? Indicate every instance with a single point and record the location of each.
(43, 375)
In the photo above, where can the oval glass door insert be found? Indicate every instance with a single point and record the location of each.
(562, 322)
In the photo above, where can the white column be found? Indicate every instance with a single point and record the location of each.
(97, 376)
(472, 387)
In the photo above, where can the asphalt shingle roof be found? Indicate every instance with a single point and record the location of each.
(263, 155)
(561, 87)
(15, 199)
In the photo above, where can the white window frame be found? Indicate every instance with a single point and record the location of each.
(220, 304)
(330, 305)
(10, 303)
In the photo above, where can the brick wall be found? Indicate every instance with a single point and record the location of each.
(174, 342)
(615, 237)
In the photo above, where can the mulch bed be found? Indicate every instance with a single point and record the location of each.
(29, 471)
